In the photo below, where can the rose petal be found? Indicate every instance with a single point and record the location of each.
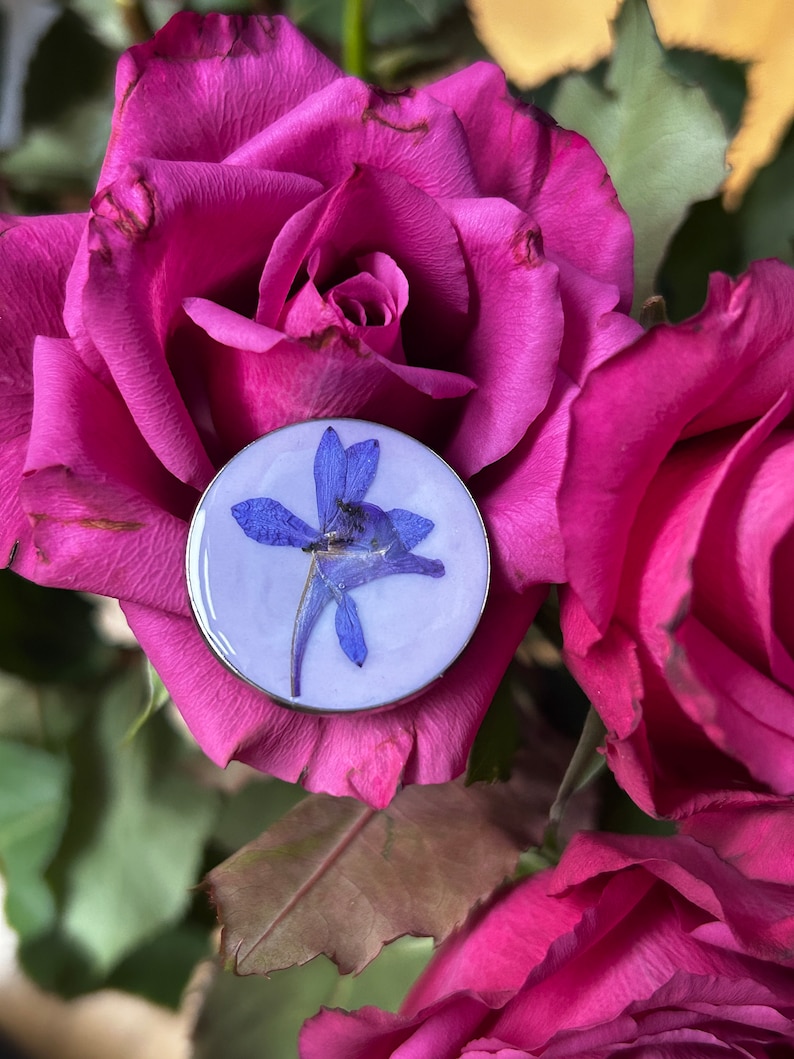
(667, 377)
(762, 918)
(766, 330)
(325, 375)
(219, 709)
(518, 498)
(107, 517)
(735, 576)
(657, 753)
(756, 838)
(406, 133)
(424, 741)
(404, 223)
(554, 175)
(199, 70)
(230, 328)
(439, 1033)
(745, 713)
(35, 254)
(147, 252)
(516, 299)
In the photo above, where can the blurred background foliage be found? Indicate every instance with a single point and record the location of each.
(109, 815)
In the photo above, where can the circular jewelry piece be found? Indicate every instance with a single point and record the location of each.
(337, 565)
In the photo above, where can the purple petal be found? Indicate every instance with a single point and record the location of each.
(268, 522)
(330, 472)
(316, 596)
(349, 631)
(411, 528)
(415, 564)
(362, 466)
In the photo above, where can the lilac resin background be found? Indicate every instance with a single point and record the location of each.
(246, 594)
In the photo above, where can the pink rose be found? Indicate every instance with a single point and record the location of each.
(634, 945)
(677, 510)
(272, 241)
(756, 836)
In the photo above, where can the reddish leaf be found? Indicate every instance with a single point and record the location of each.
(336, 877)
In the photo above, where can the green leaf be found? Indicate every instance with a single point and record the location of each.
(134, 841)
(336, 877)
(161, 968)
(713, 240)
(497, 740)
(260, 1018)
(157, 696)
(388, 21)
(708, 241)
(47, 634)
(252, 809)
(33, 808)
(766, 218)
(662, 141)
(23, 26)
(583, 767)
(723, 80)
(66, 153)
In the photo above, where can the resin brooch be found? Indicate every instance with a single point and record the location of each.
(293, 559)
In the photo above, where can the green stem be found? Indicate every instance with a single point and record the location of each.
(354, 37)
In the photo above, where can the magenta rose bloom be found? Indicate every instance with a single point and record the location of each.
(272, 241)
(677, 510)
(632, 945)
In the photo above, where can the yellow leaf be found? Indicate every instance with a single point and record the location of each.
(533, 40)
(537, 39)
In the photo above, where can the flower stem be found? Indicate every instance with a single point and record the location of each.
(354, 37)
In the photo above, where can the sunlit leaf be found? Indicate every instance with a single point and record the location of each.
(69, 151)
(148, 829)
(533, 41)
(33, 808)
(662, 141)
(539, 40)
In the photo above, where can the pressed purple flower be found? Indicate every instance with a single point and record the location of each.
(356, 543)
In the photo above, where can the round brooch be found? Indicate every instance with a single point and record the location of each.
(337, 565)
